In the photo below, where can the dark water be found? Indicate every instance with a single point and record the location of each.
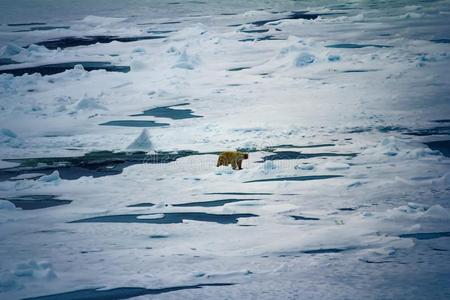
(73, 41)
(356, 46)
(59, 68)
(120, 293)
(26, 24)
(288, 155)
(31, 202)
(160, 31)
(42, 28)
(145, 204)
(134, 123)
(72, 172)
(301, 218)
(347, 209)
(441, 41)
(426, 235)
(317, 251)
(360, 71)
(254, 30)
(297, 178)
(375, 262)
(213, 203)
(238, 69)
(238, 193)
(159, 236)
(441, 146)
(96, 164)
(170, 22)
(441, 130)
(7, 61)
(284, 146)
(287, 146)
(169, 112)
(169, 218)
(263, 38)
(384, 129)
(325, 251)
(292, 16)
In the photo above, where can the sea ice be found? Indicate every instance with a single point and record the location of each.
(142, 142)
(53, 177)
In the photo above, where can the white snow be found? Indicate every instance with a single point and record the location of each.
(346, 110)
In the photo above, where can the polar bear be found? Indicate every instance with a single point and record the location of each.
(233, 158)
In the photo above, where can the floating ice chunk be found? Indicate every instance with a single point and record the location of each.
(416, 211)
(436, 212)
(78, 67)
(95, 21)
(411, 208)
(87, 104)
(53, 177)
(150, 217)
(28, 54)
(9, 137)
(304, 59)
(37, 48)
(78, 71)
(36, 51)
(305, 167)
(7, 133)
(10, 50)
(417, 206)
(32, 269)
(142, 142)
(6, 205)
(334, 166)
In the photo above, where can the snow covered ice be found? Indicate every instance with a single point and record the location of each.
(112, 115)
